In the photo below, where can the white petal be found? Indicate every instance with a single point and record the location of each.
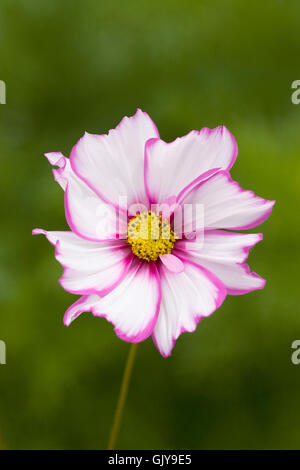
(133, 306)
(171, 167)
(113, 165)
(223, 253)
(84, 304)
(89, 267)
(226, 205)
(87, 215)
(61, 173)
(186, 298)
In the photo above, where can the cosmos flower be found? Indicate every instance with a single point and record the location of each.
(134, 269)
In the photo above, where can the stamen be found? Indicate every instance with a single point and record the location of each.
(149, 236)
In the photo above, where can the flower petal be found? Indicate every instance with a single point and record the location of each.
(84, 304)
(186, 298)
(87, 215)
(89, 267)
(171, 167)
(227, 205)
(113, 165)
(58, 159)
(223, 253)
(133, 306)
(172, 263)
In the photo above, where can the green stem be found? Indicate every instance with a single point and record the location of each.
(122, 397)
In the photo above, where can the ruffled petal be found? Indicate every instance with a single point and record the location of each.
(224, 253)
(132, 307)
(87, 215)
(62, 173)
(186, 298)
(89, 267)
(113, 165)
(226, 205)
(172, 167)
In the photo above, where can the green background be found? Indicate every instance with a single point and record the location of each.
(72, 66)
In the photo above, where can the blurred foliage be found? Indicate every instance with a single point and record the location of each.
(72, 66)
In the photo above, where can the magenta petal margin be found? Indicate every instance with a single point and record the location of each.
(169, 296)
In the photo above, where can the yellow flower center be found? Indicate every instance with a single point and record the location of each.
(150, 236)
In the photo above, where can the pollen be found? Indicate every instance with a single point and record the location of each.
(150, 236)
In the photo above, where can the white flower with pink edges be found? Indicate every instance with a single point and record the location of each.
(146, 272)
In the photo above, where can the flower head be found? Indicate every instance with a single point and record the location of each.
(151, 245)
